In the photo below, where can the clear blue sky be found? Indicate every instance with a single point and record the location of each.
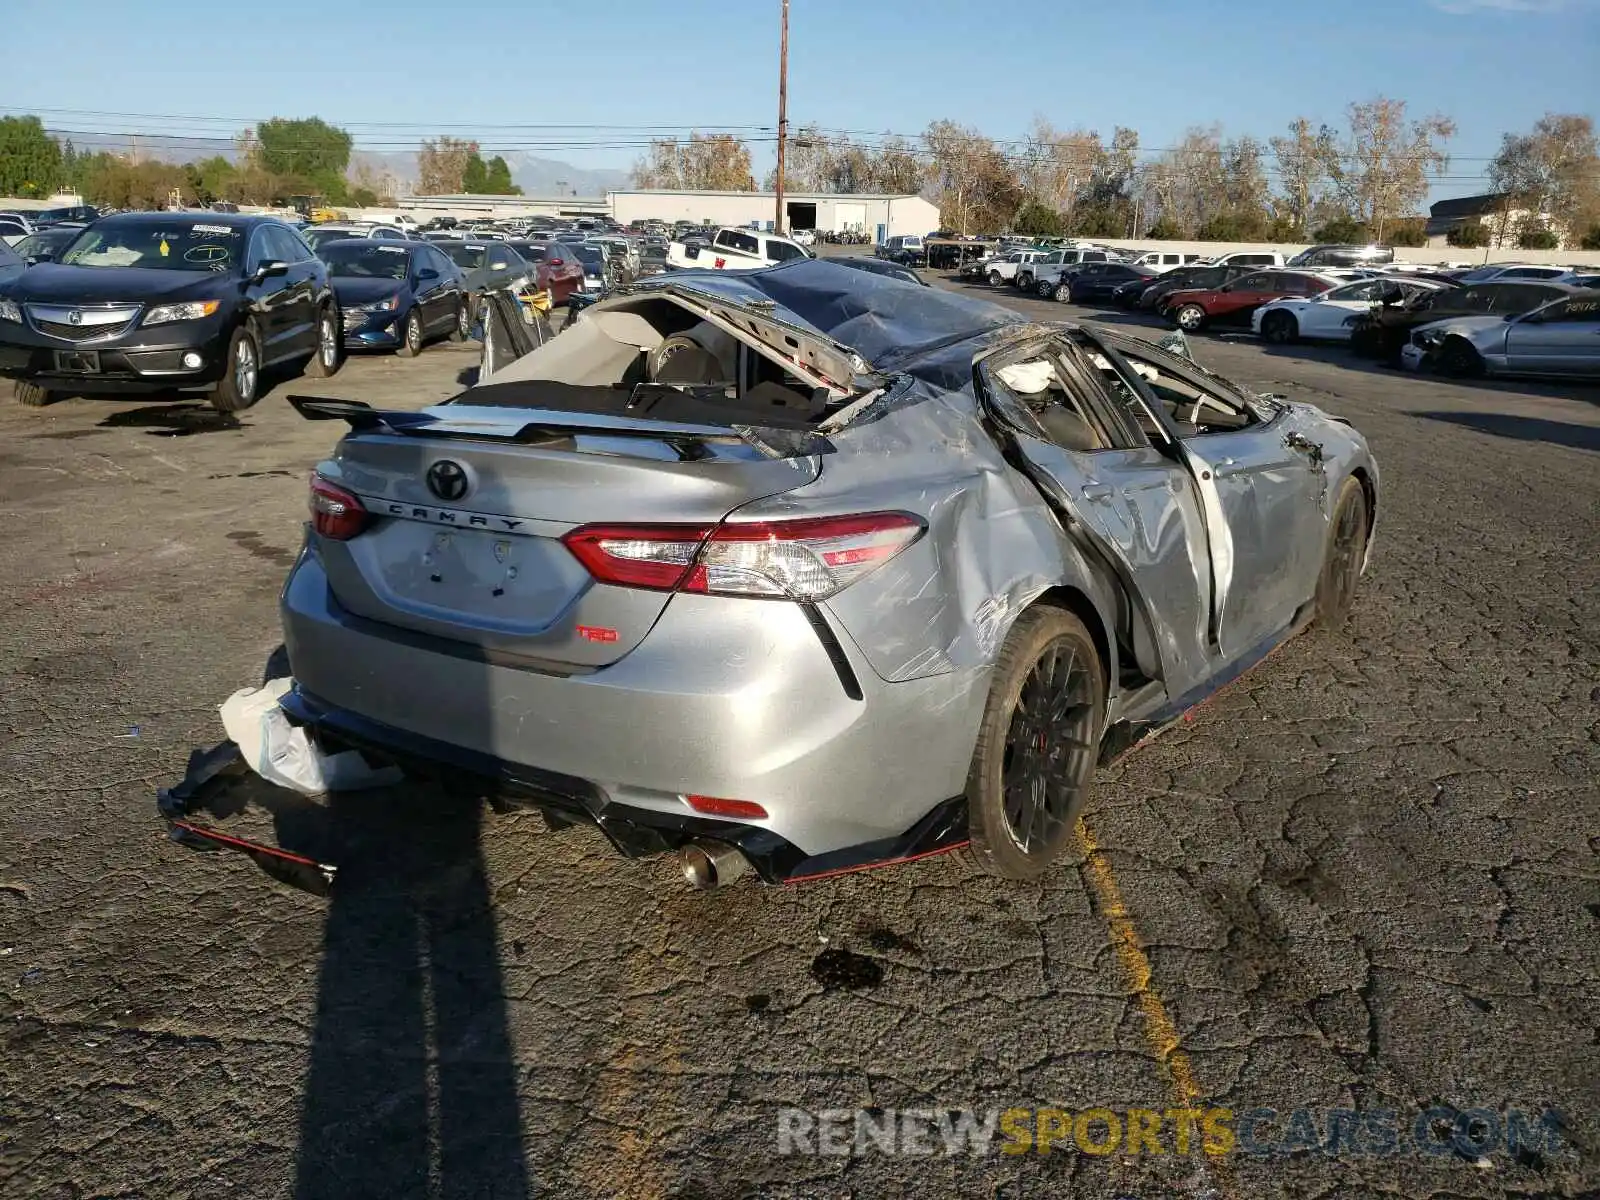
(871, 65)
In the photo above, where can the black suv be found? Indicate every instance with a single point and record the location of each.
(1342, 256)
(145, 302)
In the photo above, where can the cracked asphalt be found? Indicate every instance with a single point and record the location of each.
(1367, 876)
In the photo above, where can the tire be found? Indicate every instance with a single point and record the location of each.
(239, 387)
(1460, 359)
(1063, 293)
(995, 279)
(411, 336)
(1280, 328)
(462, 329)
(1046, 289)
(1025, 282)
(1017, 832)
(34, 395)
(1191, 318)
(1343, 557)
(329, 355)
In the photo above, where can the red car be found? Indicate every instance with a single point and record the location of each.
(1234, 302)
(560, 276)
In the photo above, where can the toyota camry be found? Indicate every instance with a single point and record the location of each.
(805, 569)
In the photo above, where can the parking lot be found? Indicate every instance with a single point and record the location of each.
(1364, 877)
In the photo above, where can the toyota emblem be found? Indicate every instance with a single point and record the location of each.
(447, 480)
(75, 317)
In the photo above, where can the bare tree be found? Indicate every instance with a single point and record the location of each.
(1303, 159)
(442, 165)
(711, 162)
(1382, 166)
(1553, 169)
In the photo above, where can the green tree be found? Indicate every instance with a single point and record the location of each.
(1408, 231)
(1534, 234)
(1163, 230)
(310, 148)
(1036, 220)
(475, 179)
(498, 178)
(30, 159)
(1342, 229)
(363, 197)
(211, 177)
(1591, 238)
(1471, 235)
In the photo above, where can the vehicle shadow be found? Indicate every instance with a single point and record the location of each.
(1527, 429)
(177, 418)
(411, 1088)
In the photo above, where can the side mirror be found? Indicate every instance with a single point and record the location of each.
(270, 270)
(426, 274)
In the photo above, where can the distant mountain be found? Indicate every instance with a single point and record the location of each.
(536, 176)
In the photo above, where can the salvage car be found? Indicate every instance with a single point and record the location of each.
(488, 267)
(1384, 332)
(555, 272)
(732, 569)
(146, 302)
(1561, 338)
(45, 245)
(1195, 308)
(1331, 316)
(1180, 278)
(397, 295)
(1043, 273)
(1095, 281)
(880, 266)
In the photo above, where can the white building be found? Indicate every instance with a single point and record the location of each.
(494, 208)
(878, 216)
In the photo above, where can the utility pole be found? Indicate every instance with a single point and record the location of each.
(783, 114)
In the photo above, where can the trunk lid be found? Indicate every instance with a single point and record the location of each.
(468, 509)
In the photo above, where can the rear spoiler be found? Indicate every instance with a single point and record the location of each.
(689, 441)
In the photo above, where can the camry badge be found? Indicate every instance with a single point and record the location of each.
(447, 480)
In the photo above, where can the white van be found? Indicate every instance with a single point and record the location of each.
(1247, 258)
(1164, 260)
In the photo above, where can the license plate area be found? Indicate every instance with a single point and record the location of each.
(78, 362)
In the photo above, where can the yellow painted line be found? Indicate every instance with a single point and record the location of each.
(1159, 1029)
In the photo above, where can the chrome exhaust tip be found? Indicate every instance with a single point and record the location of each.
(708, 865)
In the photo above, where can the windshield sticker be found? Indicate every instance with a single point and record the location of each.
(164, 248)
(203, 254)
(224, 230)
(392, 249)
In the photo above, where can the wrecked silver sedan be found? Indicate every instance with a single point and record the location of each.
(805, 569)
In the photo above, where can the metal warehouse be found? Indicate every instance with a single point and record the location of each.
(878, 216)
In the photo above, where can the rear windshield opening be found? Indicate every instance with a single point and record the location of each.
(654, 357)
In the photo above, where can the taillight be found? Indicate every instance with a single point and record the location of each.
(336, 513)
(807, 559)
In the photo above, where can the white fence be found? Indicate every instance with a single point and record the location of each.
(1430, 255)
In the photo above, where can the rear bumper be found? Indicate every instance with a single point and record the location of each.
(687, 712)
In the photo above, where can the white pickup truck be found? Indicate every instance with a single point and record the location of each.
(1005, 268)
(733, 250)
(1048, 267)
